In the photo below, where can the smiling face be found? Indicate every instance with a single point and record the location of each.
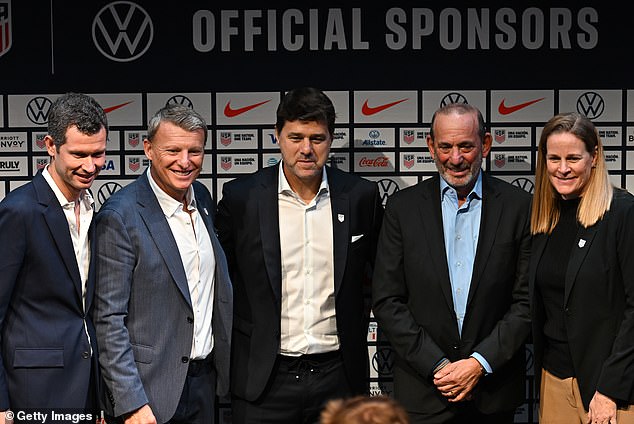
(304, 146)
(569, 164)
(457, 149)
(76, 163)
(177, 158)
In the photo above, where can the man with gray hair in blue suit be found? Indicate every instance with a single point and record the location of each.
(163, 302)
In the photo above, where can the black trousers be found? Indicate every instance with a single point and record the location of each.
(297, 391)
(198, 399)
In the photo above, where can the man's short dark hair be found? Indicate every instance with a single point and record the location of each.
(306, 104)
(75, 110)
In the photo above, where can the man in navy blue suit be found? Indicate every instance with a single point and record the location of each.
(46, 286)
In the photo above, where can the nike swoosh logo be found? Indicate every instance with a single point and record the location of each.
(369, 110)
(230, 113)
(115, 107)
(506, 110)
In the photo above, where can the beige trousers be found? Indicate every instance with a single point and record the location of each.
(560, 403)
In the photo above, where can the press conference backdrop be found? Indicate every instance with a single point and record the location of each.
(386, 67)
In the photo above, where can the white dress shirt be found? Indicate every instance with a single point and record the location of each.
(308, 323)
(79, 236)
(199, 262)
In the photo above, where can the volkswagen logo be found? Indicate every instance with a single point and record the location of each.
(590, 104)
(122, 31)
(107, 190)
(382, 361)
(453, 98)
(524, 183)
(179, 99)
(387, 188)
(37, 110)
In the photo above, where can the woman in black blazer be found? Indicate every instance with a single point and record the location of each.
(581, 279)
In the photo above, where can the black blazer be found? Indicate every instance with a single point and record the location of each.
(46, 354)
(598, 303)
(413, 301)
(248, 228)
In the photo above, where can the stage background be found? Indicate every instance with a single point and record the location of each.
(387, 67)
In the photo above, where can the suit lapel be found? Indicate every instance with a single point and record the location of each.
(159, 230)
(58, 226)
(432, 228)
(90, 287)
(537, 250)
(221, 269)
(583, 241)
(340, 206)
(490, 217)
(268, 213)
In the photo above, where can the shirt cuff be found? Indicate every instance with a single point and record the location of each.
(483, 363)
(440, 365)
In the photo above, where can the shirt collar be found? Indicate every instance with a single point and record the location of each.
(283, 187)
(85, 197)
(476, 191)
(168, 204)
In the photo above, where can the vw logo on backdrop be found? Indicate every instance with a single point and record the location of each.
(453, 98)
(179, 99)
(122, 31)
(590, 104)
(37, 110)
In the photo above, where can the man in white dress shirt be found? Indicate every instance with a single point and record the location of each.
(163, 295)
(300, 239)
(49, 356)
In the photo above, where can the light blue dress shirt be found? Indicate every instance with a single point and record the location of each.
(461, 225)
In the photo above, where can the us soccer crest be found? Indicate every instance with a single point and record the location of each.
(225, 162)
(6, 30)
(134, 164)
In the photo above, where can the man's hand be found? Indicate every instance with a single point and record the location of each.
(143, 415)
(4, 419)
(457, 380)
(602, 410)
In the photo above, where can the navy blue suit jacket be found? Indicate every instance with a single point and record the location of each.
(46, 353)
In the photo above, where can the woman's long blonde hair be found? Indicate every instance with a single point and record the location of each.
(597, 194)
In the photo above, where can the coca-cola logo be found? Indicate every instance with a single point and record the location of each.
(378, 162)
